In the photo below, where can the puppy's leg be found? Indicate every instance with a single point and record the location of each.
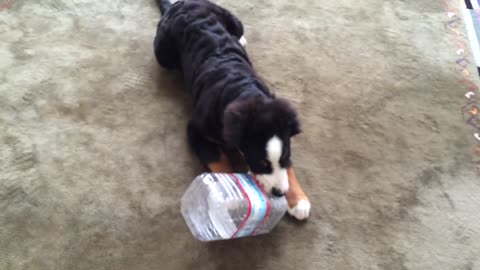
(243, 41)
(232, 23)
(298, 202)
(165, 51)
(222, 165)
(209, 153)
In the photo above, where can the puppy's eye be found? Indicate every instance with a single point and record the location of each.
(265, 163)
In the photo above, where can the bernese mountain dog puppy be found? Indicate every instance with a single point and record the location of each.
(233, 107)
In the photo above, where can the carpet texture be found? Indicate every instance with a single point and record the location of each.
(93, 153)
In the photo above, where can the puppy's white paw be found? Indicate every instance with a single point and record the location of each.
(243, 41)
(300, 211)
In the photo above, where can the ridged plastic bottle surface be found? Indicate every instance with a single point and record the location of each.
(225, 206)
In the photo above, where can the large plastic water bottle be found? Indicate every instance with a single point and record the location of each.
(225, 206)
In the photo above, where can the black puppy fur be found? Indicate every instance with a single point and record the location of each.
(233, 107)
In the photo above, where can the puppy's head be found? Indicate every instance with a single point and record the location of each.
(262, 129)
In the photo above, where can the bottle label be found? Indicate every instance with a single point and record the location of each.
(258, 205)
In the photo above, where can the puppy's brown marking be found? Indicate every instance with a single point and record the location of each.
(221, 166)
(295, 192)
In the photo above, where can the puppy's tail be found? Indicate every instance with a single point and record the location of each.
(164, 5)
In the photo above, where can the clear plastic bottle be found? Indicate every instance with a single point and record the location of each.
(225, 206)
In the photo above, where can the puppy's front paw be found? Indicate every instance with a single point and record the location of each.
(301, 210)
(243, 41)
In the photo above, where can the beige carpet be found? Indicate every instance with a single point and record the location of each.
(93, 156)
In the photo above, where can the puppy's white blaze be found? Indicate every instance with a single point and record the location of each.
(274, 150)
(278, 178)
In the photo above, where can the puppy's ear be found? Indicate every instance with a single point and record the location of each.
(288, 115)
(235, 119)
(294, 126)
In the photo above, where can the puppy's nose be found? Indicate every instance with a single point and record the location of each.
(277, 193)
